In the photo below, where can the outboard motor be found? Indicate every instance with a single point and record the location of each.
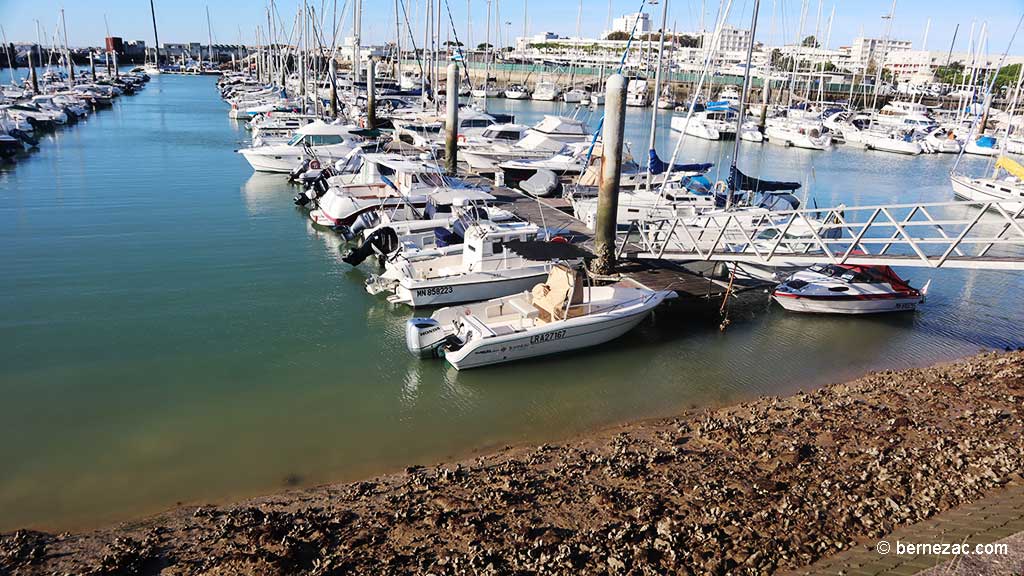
(298, 170)
(25, 137)
(363, 221)
(382, 241)
(425, 338)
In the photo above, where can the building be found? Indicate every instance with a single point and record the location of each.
(626, 22)
(730, 40)
(918, 66)
(115, 44)
(864, 50)
(135, 50)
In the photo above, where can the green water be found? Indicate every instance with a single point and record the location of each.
(173, 330)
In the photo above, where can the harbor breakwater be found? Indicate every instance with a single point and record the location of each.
(755, 488)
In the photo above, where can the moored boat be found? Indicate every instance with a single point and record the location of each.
(848, 289)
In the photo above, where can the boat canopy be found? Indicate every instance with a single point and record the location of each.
(657, 165)
(1010, 166)
(319, 127)
(740, 181)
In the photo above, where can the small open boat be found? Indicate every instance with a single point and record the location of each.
(558, 315)
(848, 289)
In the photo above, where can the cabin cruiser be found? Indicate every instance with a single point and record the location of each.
(384, 181)
(427, 130)
(265, 127)
(707, 124)
(848, 289)
(576, 96)
(638, 93)
(1008, 191)
(546, 91)
(563, 313)
(485, 157)
(570, 161)
(942, 141)
(892, 140)
(906, 115)
(562, 128)
(316, 140)
(517, 92)
(799, 134)
(495, 261)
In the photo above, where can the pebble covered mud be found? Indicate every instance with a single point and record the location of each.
(755, 488)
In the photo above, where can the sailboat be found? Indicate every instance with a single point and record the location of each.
(1008, 190)
(153, 68)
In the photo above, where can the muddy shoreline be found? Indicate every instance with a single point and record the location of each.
(761, 486)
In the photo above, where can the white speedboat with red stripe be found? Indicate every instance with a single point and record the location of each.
(848, 289)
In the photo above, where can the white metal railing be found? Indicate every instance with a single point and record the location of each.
(941, 234)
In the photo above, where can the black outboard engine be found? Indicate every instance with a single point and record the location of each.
(316, 190)
(382, 241)
(25, 137)
(362, 222)
(298, 170)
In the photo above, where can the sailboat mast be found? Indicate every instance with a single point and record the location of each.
(357, 30)
(885, 50)
(71, 64)
(209, 33)
(156, 39)
(398, 47)
(743, 107)
(657, 82)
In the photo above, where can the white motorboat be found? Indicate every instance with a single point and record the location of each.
(667, 101)
(517, 92)
(560, 315)
(488, 90)
(848, 289)
(571, 160)
(638, 93)
(325, 142)
(575, 96)
(546, 91)
(895, 141)
(495, 261)
(1008, 191)
(799, 134)
(562, 128)
(942, 141)
(904, 115)
(485, 156)
(982, 146)
(749, 132)
(707, 125)
(384, 181)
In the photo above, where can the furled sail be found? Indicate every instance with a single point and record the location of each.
(740, 181)
(657, 165)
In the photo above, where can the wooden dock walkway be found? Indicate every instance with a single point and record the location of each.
(554, 214)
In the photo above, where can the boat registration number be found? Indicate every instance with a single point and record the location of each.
(909, 306)
(556, 335)
(434, 291)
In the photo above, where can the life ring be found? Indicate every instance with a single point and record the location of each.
(559, 240)
(314, 165)
(461, 138)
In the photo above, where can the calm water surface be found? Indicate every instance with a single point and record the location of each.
(173, 330)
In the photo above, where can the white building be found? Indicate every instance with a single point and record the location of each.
(864, 50)
(731, 39)
(625, 23)
(918, 66)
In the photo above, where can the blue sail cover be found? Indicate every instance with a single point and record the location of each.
(740, 181)
(656, 165)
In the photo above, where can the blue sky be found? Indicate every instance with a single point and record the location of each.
(185, 20)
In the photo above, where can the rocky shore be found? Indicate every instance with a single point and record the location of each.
(763, 486)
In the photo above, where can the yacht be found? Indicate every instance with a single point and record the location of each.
(799, 134)
(491, 264)
(908, 115)
(325, 142)
(556, 316)
(707, 125)
(576, 96)
(546, 91)
(517, 92)
(895, 141)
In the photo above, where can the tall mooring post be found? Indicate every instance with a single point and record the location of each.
(371, 94)
(611, 173)
(451, 149)
(117, 74)
(765, 98)
(333, 67)
(92, 67)
(33, 79)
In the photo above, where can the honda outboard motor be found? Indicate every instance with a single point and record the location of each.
(424, 337)
(383, 241)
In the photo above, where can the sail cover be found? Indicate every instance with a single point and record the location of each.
(657, 165)
(740, 181)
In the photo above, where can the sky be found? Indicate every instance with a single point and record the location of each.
(779, 20)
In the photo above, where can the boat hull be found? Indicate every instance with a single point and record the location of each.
(453, 290)
(974, 190)
(847, 304)
(561, 337)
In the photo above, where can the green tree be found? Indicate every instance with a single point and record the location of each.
(484, 46)
(810, 42)
(453, 43)
(951, 74)
(617, 36)
(1007, 75)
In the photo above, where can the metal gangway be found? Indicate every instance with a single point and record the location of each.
(977, 235)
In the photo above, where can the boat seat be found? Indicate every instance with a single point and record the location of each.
(563, 286)
(503, 330)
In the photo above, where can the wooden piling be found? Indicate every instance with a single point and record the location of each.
(371, 94)
(451, 158)
(611, 172)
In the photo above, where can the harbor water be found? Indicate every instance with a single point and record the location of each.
(174, 331)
